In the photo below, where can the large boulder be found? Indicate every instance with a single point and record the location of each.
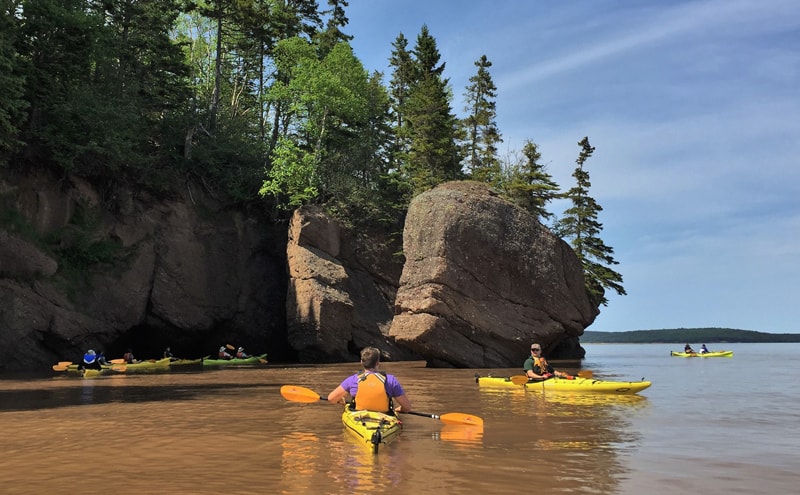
(483, 279)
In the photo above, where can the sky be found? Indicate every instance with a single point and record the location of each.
(693, 108)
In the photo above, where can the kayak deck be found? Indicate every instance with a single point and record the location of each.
(373, 429)
(577, 385)
(705, 354)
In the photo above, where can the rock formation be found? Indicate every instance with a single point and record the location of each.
(341, 290)
(186, 272)
(483, 279)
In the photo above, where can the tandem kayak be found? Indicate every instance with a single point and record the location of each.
(187, 362)
(236, 361)
(704, 354)
(372, 429)
(576, 385)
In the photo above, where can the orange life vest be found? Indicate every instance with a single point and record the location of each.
(371, 394)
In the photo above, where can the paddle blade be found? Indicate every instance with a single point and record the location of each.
(117, 361)
(230, 347)
(585, 374)
(519, 379)
(461, 419)
(59, 367)
(299, 394)
(64, 363)
(119, 367)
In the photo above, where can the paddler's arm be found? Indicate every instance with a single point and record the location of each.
(403, 402)
(338, 395)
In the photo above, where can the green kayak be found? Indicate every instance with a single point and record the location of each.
(262, 359)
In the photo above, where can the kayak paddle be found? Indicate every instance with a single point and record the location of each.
(59, 367)
(450, 418)
(302, 394)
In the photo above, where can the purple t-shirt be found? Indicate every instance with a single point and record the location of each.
(350, 384)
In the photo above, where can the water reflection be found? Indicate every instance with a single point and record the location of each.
(231, 432)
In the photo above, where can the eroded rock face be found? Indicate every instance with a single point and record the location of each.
(187, 270)
(482, 280)
(341, 291)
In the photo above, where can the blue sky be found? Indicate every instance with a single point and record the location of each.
(694, 110)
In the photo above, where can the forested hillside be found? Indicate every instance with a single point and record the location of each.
(265, 106)
(683, 335)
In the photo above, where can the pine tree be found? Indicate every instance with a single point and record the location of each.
(580, 224)
(481, 127)
(529, 185)
(430, 125)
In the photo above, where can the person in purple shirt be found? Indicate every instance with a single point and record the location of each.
(372, 389)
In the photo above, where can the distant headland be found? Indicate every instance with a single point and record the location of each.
(681, 335)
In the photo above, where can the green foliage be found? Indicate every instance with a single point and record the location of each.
(580, 224)
(12, 103)
(683, 335)
(481, 127)
(527, 183)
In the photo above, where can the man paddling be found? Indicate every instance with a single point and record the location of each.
(372, 390)
(536, 366)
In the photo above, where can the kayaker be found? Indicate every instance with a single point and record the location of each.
(224, 354)
(90, 361)
(536, 366)
(128, 356)
(241, 354)
(168, 354)
(703, 349)
(688, 349)
(371, 389)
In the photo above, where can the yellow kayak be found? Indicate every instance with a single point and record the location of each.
(576, 385)
(373, 429)
(703, 354)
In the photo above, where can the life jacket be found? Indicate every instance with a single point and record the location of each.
(371, 394)
(542, 364)
(89, 358)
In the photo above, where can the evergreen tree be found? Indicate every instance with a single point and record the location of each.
(529, 185)
(333, 34)
(430, 126)
(12, 103)
(580, 224)
(403, 77)
(481, 127)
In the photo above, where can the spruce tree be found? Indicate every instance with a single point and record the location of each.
(480, 126)
(528, 184)
(432, 129)
(580, 224)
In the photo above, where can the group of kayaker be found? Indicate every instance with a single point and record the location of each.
(688, 349)
(376, 390)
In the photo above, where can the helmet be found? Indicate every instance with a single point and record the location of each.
(222, 349)
(90, 351)
(241, 349)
